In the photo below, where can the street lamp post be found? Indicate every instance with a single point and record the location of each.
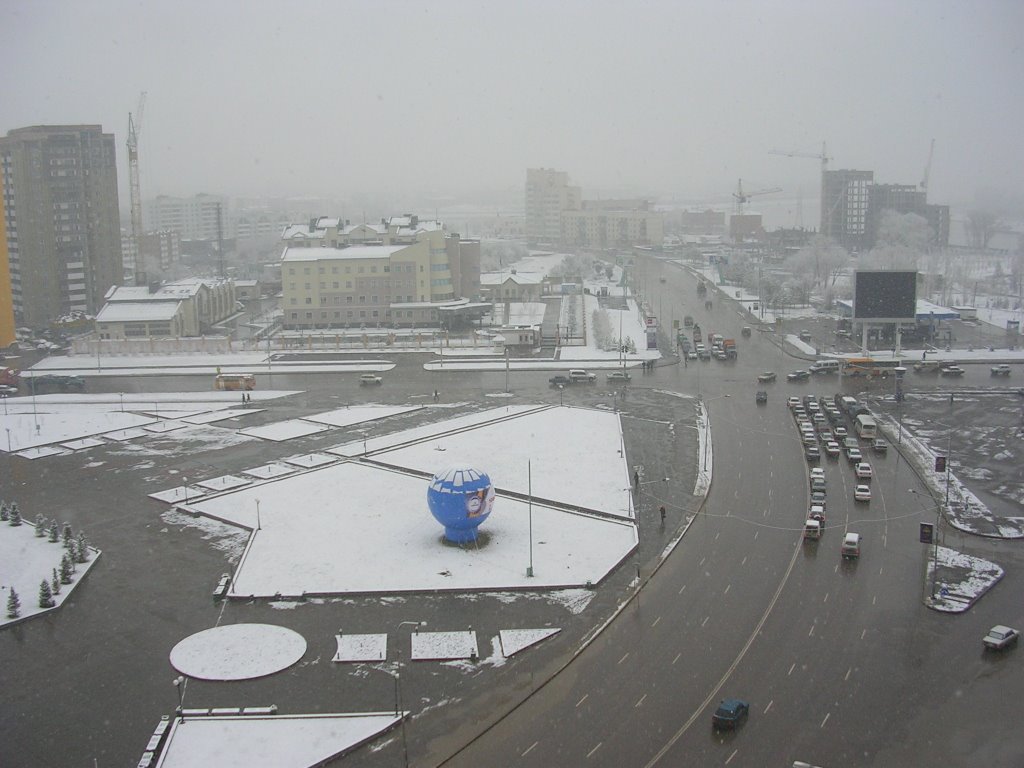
(179, 684)
(258, 526)
(398, 680)
(185, 481)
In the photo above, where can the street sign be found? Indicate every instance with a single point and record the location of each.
(927, 532)
(940, 463)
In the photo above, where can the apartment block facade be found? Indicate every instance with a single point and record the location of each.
(844, 207)
(200, 217)
(62, 221)
(548, 194)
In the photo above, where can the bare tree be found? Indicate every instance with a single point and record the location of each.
(981, 225)
(822, 260)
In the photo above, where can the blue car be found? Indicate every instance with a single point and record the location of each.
(730, 713)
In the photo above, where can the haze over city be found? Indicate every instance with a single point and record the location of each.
(425, 104)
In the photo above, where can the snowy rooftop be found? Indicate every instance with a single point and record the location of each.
(131, 311)
(352, 252)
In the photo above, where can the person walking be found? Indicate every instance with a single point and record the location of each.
(661, 509)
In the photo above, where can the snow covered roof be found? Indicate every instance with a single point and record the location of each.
(138, 311)
(378, 229)
(352, 252)
(500, 278)
(301, 232)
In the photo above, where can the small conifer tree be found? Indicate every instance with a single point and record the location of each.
(54, 531)
(5, 511)
(45, 594)
(55, 582)
(67, 535)
(82, 550)
(40, 526)
(15, 515)
(66, 569)
(13, 605)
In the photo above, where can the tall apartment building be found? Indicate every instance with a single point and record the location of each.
(548, 194)
(907, 198)
(63, 228)
(7, 327)
(402, 271)
(844, 207)
(612, 223)
(193, 218)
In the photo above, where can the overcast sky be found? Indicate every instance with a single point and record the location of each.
(456, 99)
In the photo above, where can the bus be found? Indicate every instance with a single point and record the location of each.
(869, 366)
(866, 427)
(234, 382)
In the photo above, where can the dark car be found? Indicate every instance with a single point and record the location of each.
(730, 713)
(798, 376)
(812, 453)
(761, 397)
(560, 381)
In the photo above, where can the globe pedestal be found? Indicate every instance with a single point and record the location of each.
(460, 498)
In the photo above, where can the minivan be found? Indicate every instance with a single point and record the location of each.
(812, 530)
(825, 366)
(851, 546)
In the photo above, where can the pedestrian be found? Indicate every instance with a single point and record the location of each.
(435, 395)
(662, 510)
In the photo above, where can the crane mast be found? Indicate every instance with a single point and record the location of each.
(134, 129)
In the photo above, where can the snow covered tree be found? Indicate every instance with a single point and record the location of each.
(5, 511)
(67, 569)
(40, 526)
(13, 604)
(55, 582)
(82, 550)
(45, 594)
(67, 535)
(54, 531)
(15, 514)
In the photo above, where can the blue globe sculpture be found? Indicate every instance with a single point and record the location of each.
(460, 498)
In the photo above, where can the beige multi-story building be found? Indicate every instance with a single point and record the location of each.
(401, 271)
(548, 195)
(187, 307)
(612, 223)
(63, 227)
(200, 217)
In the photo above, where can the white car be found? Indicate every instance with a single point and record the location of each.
(817, 472)
(832, 448)
(863, 470)
(1000, 637)
(853, 455)
(862, 493)
(793, 402)
(370, 378)
(840, 431)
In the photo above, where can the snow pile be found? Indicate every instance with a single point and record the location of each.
(960, 581)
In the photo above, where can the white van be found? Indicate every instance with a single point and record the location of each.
(851, 546)
(824, 366)
(812, 530)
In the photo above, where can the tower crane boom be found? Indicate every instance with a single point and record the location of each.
(134, 129)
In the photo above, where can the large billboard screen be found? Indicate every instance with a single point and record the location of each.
(884, 296)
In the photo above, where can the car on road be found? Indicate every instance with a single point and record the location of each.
(879, 445)
(812, 453)
(927, 366)
(812, 530)
(761, 397)
(817, 512)
(818, 485)
(798, 376)
(767, 377)
(863, 470)
(618, 376)
(818, 500)
(1000, 637)
(560, 380)
(370, 378)
(730, 713)
(688, 321)
(818, 472)
(851, 546)
(691, 354)
(805, 335)
(579, 374)
(951, 370)
(703, 352)
(8, 390)
(793, 402)
(832, 449)
(853, 455)
(862, 493)
(840, 431)
(1000, 370)
(745, 331)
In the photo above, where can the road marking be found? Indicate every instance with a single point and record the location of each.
(811, 633)
(731, 756)
(862, 634)
(826, 598)
(884, 541)
(836, 569)
(583, 699)
(873, 598)
(827, 716)
(744, 561)
(718, 534)
(677, 657)
(702, 561)
(769, 706)
(705, 620)
(641, 701)
(681, 589)
(529, 749)
(791, 669)
(755, 539)
(880, 571)
(847, 676)
(727, 589)
(655, 622)
(624, 657)
(595, 749)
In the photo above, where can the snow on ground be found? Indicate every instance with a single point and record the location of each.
(575, 457)
(25, 430)
(357, 414)
(632, 326)
(40, 452)
(224, 482)
(167, 425)
(310, 460)
(26, 560)
(360, 447)
(230, 413)
(78, 445)
(285, 741)
(268, 471)
(515, 640)
(126, 434)
(443, 646)
(361, 648)
(280, 431)
(962, 580)
(356, 528)
(237, 652)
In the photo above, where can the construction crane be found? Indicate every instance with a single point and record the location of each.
(928, 170)
(134, 129)
(742, 198)
(824, 158)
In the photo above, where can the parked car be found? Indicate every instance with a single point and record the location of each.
(618, 376)
(370, 378)
(862, 493)
(879, 445)
(798, 376)
(805, 335)
(560, 380)
(761, 397)
(951, 370)
(730, 713)
(863, 471)
(851, 546)
(1000, 370)
(1000, 637)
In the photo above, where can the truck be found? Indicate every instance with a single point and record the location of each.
(729, 345)
(698, 336)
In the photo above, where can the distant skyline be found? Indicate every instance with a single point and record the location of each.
(453, 101)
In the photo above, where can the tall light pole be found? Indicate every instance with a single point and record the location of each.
(258, 526)
(179, 684)
(398, 678)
